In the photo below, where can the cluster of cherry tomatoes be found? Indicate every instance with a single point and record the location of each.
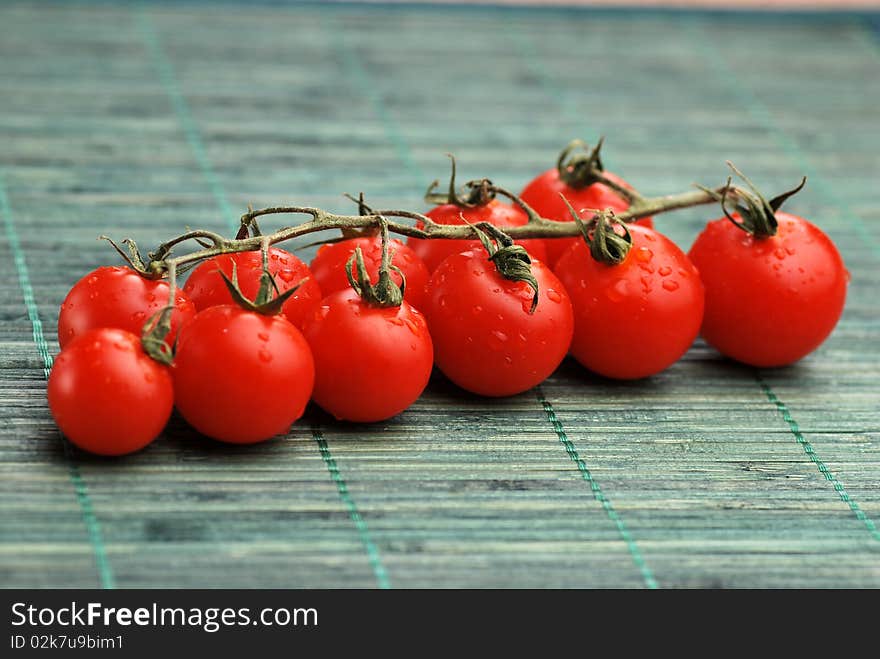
(242, 376)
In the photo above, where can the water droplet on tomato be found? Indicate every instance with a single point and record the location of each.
(649, 237)
(670, 284)
(138, 316)
(496, 290)
(263, 336)
(644, 255)
(476, 310)
(395, 321)
(664, 270)
(92, 280)
(684, 273)
(412, 326)
(779, 253)
(286, 275)
(553, 295)
(497, 339)
(790, 251)
(151, 297)
(522, 337)
(583, 283)
(443, 301)
(508, 360)
(265, 356)
(646, 284)
(618, 290)
(149, 377)
(647, 267)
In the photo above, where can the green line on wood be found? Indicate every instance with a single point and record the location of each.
(193, 136)
(598, 494)
(168, 78)
(93, 528)
(815, 459)
(762, 114)
(358, 74)
(356, 517)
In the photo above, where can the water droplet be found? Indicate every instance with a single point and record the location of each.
(684, 273)
(777, 267)
(138, 316)
(92, 280)
(262, 336)
(443, 301)
(469, 339)
(664, 270)
(122, 345)
(779, 253)
(508, 360)
(496, 290)
(646, 284)
(265, 356)
(93, 295)
(670, 284)
(553, 295)
(790, 251)
(647, 267)
(497, 339)
(644, 255)
(286, 275)
(583, 283)
(649, 237)
(522, 337)
(618, 291)
(477, 272)
(476, 310)
(412, 326)
(396, 321)
(406, 258)
(151, 297)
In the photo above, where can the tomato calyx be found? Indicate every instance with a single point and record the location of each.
(580, 170)
(152, 270)
(757, 215)
(269, 299)
(512, 261)
(384, 293)
(472, 194)
(605, 243)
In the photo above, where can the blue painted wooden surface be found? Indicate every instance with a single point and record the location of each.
(137, 120)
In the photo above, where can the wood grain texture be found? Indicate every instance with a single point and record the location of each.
(136, 120)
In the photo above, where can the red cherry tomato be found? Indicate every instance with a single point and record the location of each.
(633, 319)
(328, 266)
(769, 301)
(240, 376)
(485, 339)
(542, 194)
(106, 395)
(206, 287)
(434, 251)
(371, 362)
(118, 297)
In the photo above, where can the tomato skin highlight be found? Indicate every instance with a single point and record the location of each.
(485, 340)
(328, 266)
(241, 377)
(636, 318)
(117, 296)
(434, 251)
(371, 362)
(542, 194)
(770, 301)
(107, 395)
(206, 287)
